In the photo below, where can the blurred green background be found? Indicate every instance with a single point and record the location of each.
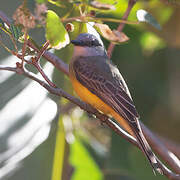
(35, 124)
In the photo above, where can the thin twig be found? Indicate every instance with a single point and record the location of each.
(42, 50)
(35, 62)
(57, 62)
(89, 18)
(121, 25)
(24, 46)
(39, 68)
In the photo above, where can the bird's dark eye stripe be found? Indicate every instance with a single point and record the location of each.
(95, 42)
(91, 43)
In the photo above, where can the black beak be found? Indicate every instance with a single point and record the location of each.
(75, 42)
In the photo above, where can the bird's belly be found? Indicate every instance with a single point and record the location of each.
(98, 104)
(90, 98)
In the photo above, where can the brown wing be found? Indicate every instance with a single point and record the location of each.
(102, 79)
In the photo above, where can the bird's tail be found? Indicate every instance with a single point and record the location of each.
(134, 129)
(147, 150)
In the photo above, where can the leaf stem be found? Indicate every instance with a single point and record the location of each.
(88, 18)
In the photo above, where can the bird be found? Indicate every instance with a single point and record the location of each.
(98, 82)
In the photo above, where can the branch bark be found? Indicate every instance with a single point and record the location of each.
(121, 25)
(103, 118)
(152, 139)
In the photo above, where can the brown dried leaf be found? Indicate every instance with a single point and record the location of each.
(102, 6)
(113, 36)
(23, 16)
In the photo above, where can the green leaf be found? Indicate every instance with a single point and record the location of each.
(2, 23)
(85, 166)
(59, 151)
(41, 1)
(3, 28)
(144, 16)
(16, 31)
(55, 31)
(151, 42)
(57, 3)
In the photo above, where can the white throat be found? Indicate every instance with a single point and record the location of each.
(89, 51)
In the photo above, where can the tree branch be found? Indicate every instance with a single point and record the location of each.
(169, 157)
(53, 59)
(58, 63)
(121, 25)
(172, 146)
(104, 119)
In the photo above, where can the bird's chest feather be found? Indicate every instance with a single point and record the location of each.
(88, 97)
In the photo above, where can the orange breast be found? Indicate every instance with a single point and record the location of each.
(96, 102)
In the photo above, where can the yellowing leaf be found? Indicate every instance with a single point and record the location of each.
(57, 3)
(40, 1)
(103, 6)
(113, 36)
(55, 31)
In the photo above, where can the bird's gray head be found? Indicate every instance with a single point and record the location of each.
(88, 45)
(86, 39)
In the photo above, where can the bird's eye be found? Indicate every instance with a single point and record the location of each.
(95, 43)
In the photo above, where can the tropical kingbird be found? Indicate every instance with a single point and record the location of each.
(99, 83)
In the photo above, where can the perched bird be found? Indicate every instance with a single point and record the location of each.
(99, 83)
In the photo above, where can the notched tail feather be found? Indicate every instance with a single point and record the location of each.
(153, 160)
(147, 151)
